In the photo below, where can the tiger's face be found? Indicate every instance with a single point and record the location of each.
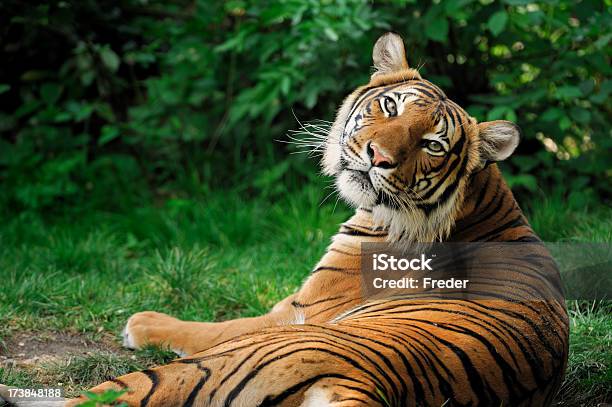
(400, 145)
(402, 149)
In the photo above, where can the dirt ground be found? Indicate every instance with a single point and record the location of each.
(30, 349)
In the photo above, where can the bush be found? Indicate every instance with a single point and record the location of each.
(105, 101)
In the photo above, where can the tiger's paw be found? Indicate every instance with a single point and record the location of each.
(151, 328)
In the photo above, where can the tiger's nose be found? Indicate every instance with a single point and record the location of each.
(378, 158)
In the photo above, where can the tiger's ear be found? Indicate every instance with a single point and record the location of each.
(498, 140)
(389, 54)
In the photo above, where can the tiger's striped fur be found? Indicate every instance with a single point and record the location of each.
(326, 345)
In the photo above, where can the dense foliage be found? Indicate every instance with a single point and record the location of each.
(104, 102)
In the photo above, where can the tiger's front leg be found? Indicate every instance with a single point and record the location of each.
(334, 286)
(189, 337)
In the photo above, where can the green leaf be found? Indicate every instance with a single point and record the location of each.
(285, 85)
(498, 112)
(565, 123)
(109, 58)
(50, 93)
(551, 114)
(598, 98)
(79, 110)
(62, 117)
(234, 6)
(568, 92)
(524, 180)
(602, 95)
(7, 122)
(478, 111)
(105, 111)
(603, 41)
(34, 75)
(587, 86)
(108, 134)
(4, 88)
(437, 29)
(442, 81)
(497, 22)
(454, 8)
(581, 115)
(525, 162)
(511, 115)
(518, 2)
(27, 108)
(107, 397)
(311, 96)
(331, 34)
(88, 77)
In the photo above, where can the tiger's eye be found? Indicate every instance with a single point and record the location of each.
(390, 106)
(434, 146)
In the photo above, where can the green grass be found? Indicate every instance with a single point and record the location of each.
(217, 258)
(589, 375)
(78, 373)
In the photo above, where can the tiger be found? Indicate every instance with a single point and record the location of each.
(417, 168)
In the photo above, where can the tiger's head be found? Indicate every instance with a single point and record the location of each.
(400, 147)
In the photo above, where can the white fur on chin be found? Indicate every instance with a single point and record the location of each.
(407, 225)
